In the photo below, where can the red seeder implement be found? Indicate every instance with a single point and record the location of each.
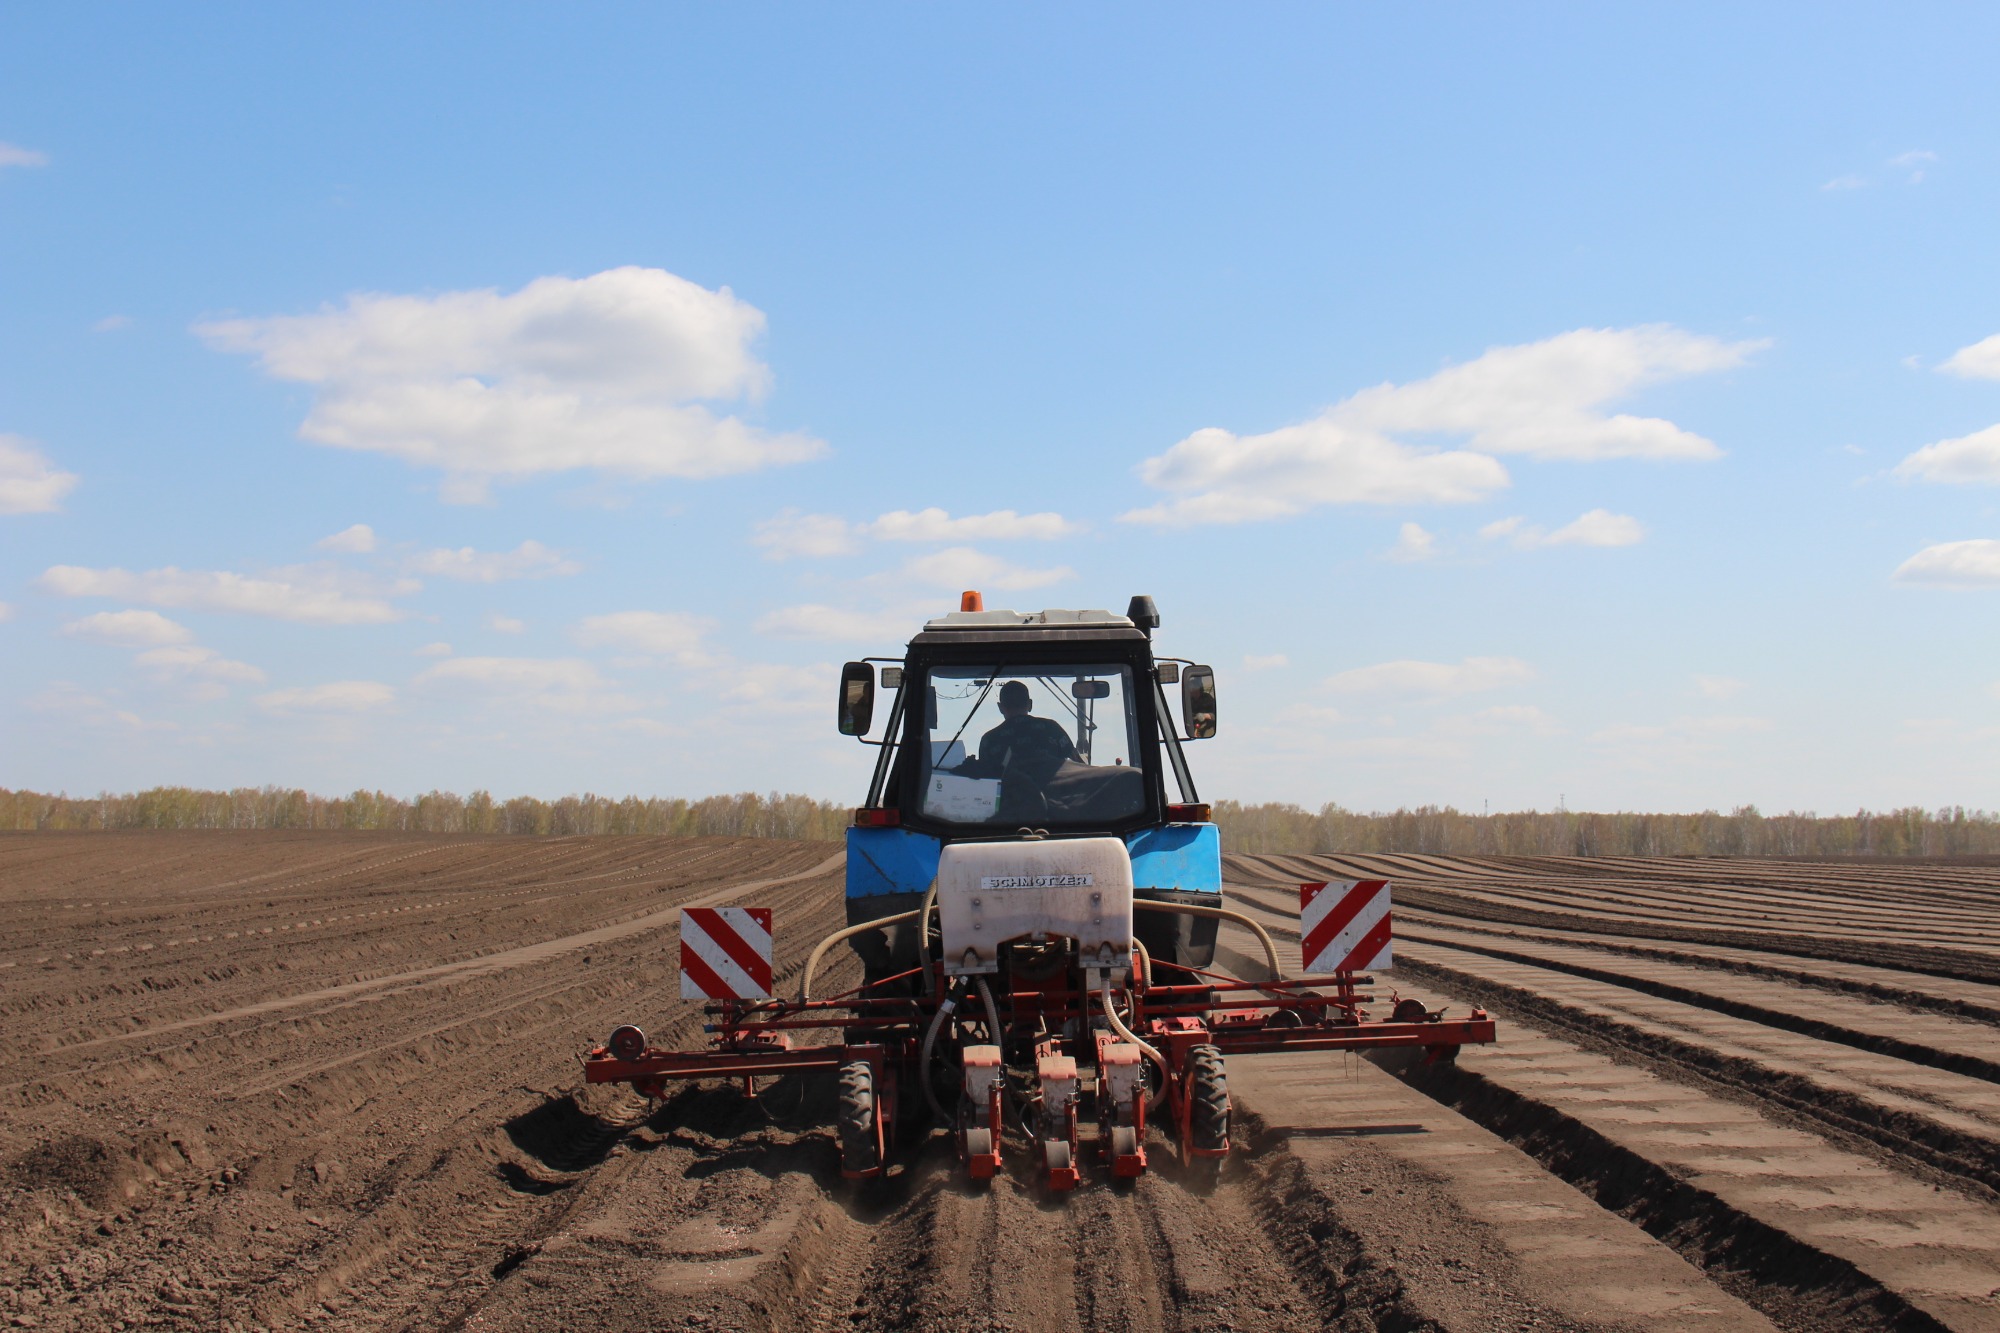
(1045, 1037)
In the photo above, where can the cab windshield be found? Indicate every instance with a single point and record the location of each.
(1033, 745)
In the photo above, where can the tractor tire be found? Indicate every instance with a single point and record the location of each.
(855, 1122)
(1208, 1098)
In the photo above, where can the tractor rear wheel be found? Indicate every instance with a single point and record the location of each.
(860, 1140)
(1208, 1109)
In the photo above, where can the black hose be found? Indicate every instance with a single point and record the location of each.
(944, 1010)
(992, 1013)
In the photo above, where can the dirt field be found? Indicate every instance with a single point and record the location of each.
(329, 1081)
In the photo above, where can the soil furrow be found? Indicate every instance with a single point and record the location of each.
(1969, 1063)
(1970, 1159)
(1799, 1286)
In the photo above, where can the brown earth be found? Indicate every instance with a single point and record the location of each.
(329, 1081)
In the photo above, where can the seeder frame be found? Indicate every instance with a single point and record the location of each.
(1186, 1029)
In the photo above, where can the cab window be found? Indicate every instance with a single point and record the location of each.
(1012, 745)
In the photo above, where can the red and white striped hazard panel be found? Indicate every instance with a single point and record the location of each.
(725, 953)
(1344, 925)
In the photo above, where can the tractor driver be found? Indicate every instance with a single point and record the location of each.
(1024, 752)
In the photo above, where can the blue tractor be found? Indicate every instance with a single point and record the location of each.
(1048, 724)
(1034, 889)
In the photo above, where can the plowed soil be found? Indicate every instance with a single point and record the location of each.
(329, 1081)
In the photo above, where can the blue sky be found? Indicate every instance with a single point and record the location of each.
(1567, 403)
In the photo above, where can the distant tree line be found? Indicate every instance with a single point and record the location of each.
(1744, 831)
(1273, 827)
(744, 815)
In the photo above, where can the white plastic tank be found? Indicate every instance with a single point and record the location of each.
(993, 892)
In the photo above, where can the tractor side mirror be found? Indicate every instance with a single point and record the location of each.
(1198, 702)
(857, 698)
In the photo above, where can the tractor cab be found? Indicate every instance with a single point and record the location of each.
(1007, 726)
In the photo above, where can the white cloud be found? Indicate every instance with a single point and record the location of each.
(935, 525)
(1545, 400)
(356, 540)
(1968, 460)
(112, 324)
(529, 560)
(1969, 564)
(340, 696)
(29, 482)
(840, 624)
(130, 629)
(654, 633)
(1719, 687)
(962, 567)
(505, 624)
(1914, 162)
(1726, 726)
(439, 649)
(170, 651)
(1980, 361)
(1225, 478)
(1686, 734)
(814, 536)
(555, 684)
(1427, 749)
(1413, 545)
(1265, 661)
(610, 372)
(316, 595)
(6, 611)
(193, 660)
(1599, 527)
(516, 673)
(1626, 733)
(1504, 720)
(771, 687)
(1518, 715)
(1436, 679)
(1306, 715)
(68, 697)
(793, 533)
(13, 155)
